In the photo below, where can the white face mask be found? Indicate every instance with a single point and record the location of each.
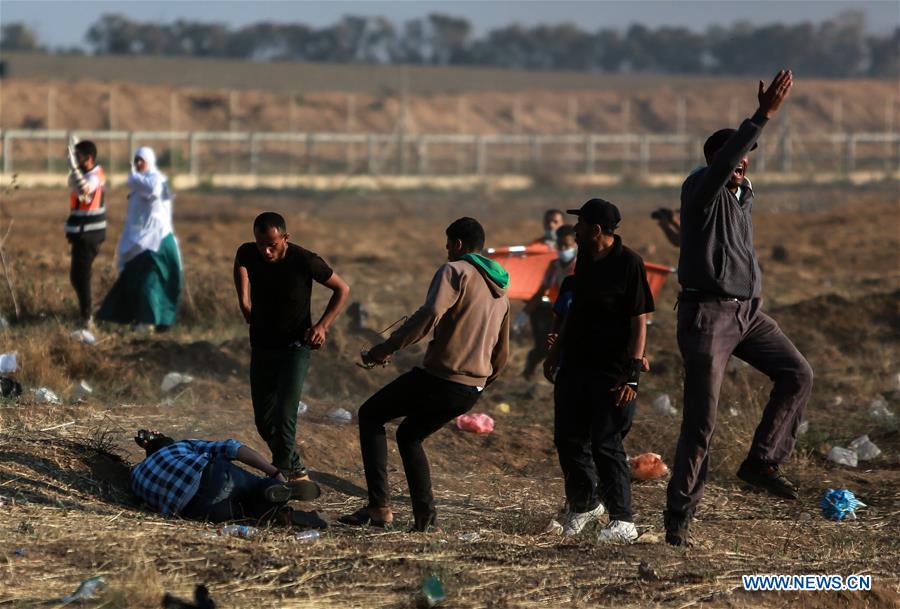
(567, 255)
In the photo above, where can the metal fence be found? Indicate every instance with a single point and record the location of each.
(200, 153)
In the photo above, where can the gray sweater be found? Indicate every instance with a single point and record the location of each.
(717, 255)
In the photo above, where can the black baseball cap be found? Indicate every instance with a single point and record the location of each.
(599, 211)
(717, 140)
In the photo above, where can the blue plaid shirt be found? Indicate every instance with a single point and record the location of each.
(169, 478)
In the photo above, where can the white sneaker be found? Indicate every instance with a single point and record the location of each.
(574, 522)
(618, 531)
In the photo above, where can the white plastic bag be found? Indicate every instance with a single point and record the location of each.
(8, 362)
(865, 448)
(339, 415)
(663, 405)
(843, 456)
(173, 379)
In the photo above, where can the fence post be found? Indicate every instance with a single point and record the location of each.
(422, 154)
(644, 155)
(254, 154)
(7, 152)
(310, 153)
(401, 151)
(850, 163)
(132, 148)
(589, 154)
(480, 155)
(535, 152)
(192, 152)
(370, 154)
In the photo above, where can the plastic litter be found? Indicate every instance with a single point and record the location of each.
(504, 408)
(840, 504)
(173, 380)
(8, 363)
(85, 336)
(554, 527)
(81, 391)
(877, 410)
(803, 428)
(45, 396)
(734, 411)
(663, 405)
(648, 466)
(307, 536)
(432, 593)
(865, 448)
(302, 408)
(85, 590)
(476, 423)
(20, 552)
(238, 530)
(9, 388)
(4, 323)
(843, 456)
(339, 415)
(470, 537)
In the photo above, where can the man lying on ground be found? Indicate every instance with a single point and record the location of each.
(197, 479)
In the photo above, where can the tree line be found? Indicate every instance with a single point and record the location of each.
(838, 47)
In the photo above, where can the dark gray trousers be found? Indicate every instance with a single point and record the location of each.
(708, 334)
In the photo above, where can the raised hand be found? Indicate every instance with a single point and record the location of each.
(771, 98)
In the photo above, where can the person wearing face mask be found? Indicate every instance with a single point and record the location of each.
(539, 309)
(553, 219)
(148, 288)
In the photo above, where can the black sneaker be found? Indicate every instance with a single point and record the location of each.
(769, 478)
(677, 525)
(301, 490)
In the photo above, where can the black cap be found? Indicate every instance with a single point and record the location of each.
(717, 140)
(598, 211)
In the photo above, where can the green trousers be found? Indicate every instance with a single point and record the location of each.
(276, 381)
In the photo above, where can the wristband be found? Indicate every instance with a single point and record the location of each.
(634, 372)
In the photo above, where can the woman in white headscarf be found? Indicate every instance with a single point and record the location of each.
(149, 263)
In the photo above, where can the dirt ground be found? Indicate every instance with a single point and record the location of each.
(831, 278)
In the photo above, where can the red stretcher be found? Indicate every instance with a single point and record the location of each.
(526, 265)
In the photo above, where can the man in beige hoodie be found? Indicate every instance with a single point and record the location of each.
(468, 311)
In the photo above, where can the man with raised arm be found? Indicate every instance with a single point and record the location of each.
(720, 315)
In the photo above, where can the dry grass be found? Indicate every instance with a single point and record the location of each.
(66, 501)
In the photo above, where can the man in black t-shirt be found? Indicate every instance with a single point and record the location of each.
(595, 364)
(274, 281)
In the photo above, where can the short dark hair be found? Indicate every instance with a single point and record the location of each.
(553, 212)
(87, 148)
(269, 219)
(158, 443)
(566, 230)
(469, 231)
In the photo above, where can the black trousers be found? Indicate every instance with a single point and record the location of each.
(588, 433)
(85, 248)
(541, 324)
(428, 403)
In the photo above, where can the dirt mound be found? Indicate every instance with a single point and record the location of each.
(200, 357)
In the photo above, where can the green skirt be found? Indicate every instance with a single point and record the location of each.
(148, 290)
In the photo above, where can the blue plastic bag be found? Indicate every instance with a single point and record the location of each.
(838, 504)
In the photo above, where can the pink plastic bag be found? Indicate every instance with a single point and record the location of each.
(476, 423)
(648, 466)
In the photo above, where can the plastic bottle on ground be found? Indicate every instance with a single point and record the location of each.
(238, 530)
(307, 536)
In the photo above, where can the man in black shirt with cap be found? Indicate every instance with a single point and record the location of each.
(595, 364)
